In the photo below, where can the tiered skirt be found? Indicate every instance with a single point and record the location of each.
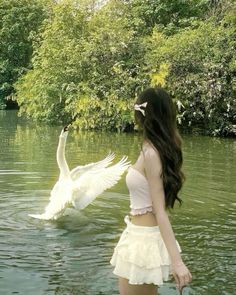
(141, 255)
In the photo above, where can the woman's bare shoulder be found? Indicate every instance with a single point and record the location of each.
(150, 150)
(151, 154)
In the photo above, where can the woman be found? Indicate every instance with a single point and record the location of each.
(147, 251)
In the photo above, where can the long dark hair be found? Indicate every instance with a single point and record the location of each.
(159, 128)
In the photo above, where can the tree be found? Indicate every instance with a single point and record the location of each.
(19, 23)
(201, 76)
(46, 90)
(168, 14)
(87, 65)
(93, 57)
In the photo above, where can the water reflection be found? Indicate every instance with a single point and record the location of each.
(71, 256)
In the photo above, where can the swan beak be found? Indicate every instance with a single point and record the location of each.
(66, 128)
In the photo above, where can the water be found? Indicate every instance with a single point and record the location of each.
(71, 256)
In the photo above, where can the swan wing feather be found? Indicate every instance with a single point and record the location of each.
(77, 171)
(95, 182)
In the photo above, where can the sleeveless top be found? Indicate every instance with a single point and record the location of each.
(140, 199)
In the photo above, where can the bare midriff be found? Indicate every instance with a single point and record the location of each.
(147, 219)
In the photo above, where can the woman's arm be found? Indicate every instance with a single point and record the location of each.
(153, 168)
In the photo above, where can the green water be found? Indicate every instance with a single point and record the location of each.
(71, 256)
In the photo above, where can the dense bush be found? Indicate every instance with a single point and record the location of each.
(201, 76)
(19, 23)
(91, 60)
(84, 68)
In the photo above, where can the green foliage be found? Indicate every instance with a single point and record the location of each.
(96, 59)
(58, 66)
(168, 14)
(201, 73)
(113, 58)
(90, 61)
(19, 22)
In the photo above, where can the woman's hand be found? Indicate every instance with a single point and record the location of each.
(181, 274)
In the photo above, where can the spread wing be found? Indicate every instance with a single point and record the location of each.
(94, 182)
(77, 171)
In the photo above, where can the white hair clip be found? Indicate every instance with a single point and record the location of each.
(137, 107)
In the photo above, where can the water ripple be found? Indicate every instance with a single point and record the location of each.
(71, 256)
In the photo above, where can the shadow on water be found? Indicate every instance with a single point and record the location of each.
(71, 255)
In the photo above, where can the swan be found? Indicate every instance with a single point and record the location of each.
(80, 186)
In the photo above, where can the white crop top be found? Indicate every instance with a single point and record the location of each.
(140, 199)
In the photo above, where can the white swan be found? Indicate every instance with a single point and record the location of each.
(79, 187)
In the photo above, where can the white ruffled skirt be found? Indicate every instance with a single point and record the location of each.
(141, 255)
